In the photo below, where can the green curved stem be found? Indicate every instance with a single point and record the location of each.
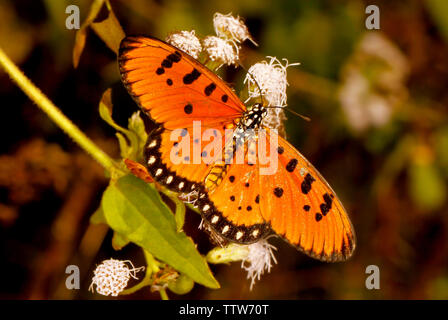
(55, 114)
(179, 215)
(152, 266)
(163, 294)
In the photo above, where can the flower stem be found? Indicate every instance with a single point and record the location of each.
(179, 215)
(55, 114)
(163, 294)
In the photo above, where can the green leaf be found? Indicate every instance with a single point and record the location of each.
(106, 108)
(81, 34)
(125, 149)
(137, 126)
(119, 241)
(98, 217)
(182, 285)
(128, 149)
(134, 209)
(109, 30)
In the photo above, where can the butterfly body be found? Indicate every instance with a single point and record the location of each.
(236, 199)
(253, 117)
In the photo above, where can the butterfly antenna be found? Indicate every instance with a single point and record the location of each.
(255, 81)
(293, 112)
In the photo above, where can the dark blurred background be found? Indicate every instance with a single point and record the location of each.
(379, 134)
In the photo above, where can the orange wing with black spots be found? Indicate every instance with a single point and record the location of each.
(295, 202)
(302, 208)
(172, 87)
(233, 208)
(180, 159)
(176, 91)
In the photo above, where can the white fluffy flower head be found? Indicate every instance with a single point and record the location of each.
(268, 79)
(112, 276)
(231, 28)
(186, 41)
(256, 258)
(260, 259)
(220, 50)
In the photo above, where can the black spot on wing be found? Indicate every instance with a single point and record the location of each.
(209, 89)
(292, 164)
(188, 109)
(325, 207)
(174, 57)
(191, 77)
(328, 199)
(170, 59)
(167, 63)
(306, 183)
(224, 98)
(278, 192)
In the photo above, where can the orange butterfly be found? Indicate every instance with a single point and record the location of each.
(238, 202)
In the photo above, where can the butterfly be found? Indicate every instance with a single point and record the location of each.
(236, 201)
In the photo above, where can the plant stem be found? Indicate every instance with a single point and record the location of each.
(163, 294)
(55, 114)
(179, 215)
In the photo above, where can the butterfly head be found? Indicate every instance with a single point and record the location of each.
(252, 118)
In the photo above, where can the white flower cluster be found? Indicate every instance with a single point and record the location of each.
(112, 276)
(186, 41)
(220, 51)
(268, 80)
(222, 48)
(231, 28)
(256, 258)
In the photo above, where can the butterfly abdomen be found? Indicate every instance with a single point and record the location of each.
(215, 176)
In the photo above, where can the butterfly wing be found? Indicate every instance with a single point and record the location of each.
(172, 87)
(302, 208)
(232, 208)
(180, 159)
(295, 202)
(176, 91)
